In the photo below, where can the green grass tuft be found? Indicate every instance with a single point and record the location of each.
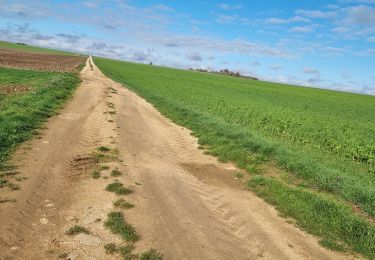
(151, 254)
(77, 230)
(123, 204)
(117, 225)
(115, 173)
(104, 149)
(118, 188)
(95, 174)
(110, 248)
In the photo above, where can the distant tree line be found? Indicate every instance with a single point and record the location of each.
(226, 72)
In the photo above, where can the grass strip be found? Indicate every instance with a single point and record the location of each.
(319, 215)
(21, 114)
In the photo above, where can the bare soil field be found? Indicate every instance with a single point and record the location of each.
(39, 61)
(187, 205)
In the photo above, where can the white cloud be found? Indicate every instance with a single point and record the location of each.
(363, 15)
(226, 6)
(302, 29)
(316, 14)
(276, 21)
(275, 67)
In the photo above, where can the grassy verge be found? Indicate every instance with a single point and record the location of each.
(304, 131)
(22, 113)
(320, 215)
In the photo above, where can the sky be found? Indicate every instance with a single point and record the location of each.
(327, 44)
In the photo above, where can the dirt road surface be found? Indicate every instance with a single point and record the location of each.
(187, 204)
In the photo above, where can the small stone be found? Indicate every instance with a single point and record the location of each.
(44, 221)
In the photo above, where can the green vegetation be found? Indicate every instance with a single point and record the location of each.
(110, 248)
(22, 112)
(324, 141)
(117, 224)
(104, 167)
(29, 48)
(104, 149)
(318, 214)
(123, 204)
(115, 173)
(118, 188)
(124, 251)
(151, 254)
(95, 174)
(77, 230)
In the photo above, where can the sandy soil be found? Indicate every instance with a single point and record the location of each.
(39, 61)
(187, 204)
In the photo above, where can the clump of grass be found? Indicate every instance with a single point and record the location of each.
(124, 251)
(104, 167)
(104, 158)
(151, 254)
(328, 243)
(254, 169)
(110, 248)
(10, 173)
(104, 149)
(115, 173)
(2, 182)
(117, 225)
(95, 174)
(77, 230)
(111, 112)
(118, 188)
(121, 203)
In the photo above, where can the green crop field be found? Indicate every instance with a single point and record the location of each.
(27, 98)
(321, 142)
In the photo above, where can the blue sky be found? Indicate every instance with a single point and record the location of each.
(328, 44)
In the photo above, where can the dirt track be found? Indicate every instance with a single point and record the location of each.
(187, 205)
